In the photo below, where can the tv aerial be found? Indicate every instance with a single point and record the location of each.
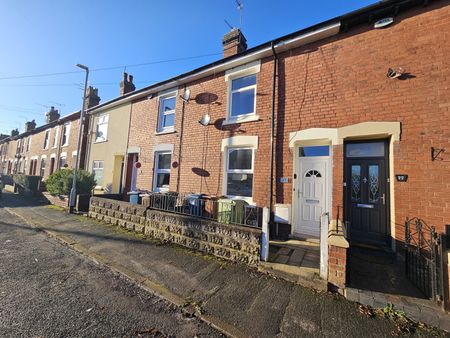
(240, 8)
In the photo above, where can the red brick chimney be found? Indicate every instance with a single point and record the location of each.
(234, 43)
(92, 98)
(126, 85)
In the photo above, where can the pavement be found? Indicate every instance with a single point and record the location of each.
(235, 299)
(49, 290)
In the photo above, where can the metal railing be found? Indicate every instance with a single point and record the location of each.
(221, 210)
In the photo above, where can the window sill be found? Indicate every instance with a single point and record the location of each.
(164, 132)
(244, 119)
(249, 200)
(64, 145)
(95, 142)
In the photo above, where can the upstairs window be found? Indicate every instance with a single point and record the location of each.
(101, 133)
(166, 119)
(243, 96)
(97, 170)
(46, 139)
(66, 134)
(29, 144)
(55, 140)
(239, 172)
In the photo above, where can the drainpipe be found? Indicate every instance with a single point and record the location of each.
(272, 129)
(180, 142)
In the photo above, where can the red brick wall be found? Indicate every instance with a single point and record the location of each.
(342, 81)
(330, 84)
(337, 265)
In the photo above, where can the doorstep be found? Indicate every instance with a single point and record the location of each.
(297, 261)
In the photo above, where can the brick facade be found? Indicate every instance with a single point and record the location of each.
(336, 82)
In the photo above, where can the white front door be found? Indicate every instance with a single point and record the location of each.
(311, 195)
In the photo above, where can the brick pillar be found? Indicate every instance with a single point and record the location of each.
(337, 260)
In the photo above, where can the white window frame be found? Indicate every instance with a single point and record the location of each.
(96, 167)
(67, 127)
(43, 159)
(55, 140)
(161, 114)
(252, 68)
(29, 143)
(157, 170)
(62, 155)
(101, 121)
(47, 139)
(240, 90)
(238, 171)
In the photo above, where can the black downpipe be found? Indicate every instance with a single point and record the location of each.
(272, 129)
(181, 143)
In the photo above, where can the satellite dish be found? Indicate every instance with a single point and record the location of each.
(383, 22)
(186, 95)
(204, 121)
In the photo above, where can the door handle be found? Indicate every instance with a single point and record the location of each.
(383, 198)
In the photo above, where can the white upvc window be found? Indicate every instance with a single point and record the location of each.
(42, 168)
(239, 173)
(163, 160)
(97, 170)
(46, 139)
(166, 115)
(29, 143)
(242, 96)
(25, 166)
(66, 134)
(55, 140)
(62, 161)
(101, 133)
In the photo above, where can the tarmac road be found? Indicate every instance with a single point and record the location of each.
(49, 290)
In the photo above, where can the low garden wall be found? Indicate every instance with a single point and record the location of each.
(232, 242)
(60, 200)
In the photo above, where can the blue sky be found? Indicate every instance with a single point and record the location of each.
(51, 36)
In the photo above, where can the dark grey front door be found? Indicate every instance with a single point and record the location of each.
(366, 193)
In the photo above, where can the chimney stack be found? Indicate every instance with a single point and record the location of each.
(51, 116)
(14, 132)
(30, 125)
(92, 98)
(126, 85)
(234, 43)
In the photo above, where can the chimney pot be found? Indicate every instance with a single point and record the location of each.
(51, 116)
(92, 98)
(126, 85)
(30, 125)
(234, 42)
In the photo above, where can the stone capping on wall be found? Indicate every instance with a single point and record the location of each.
(227, 241)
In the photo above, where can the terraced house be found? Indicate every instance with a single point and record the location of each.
(43, 150)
